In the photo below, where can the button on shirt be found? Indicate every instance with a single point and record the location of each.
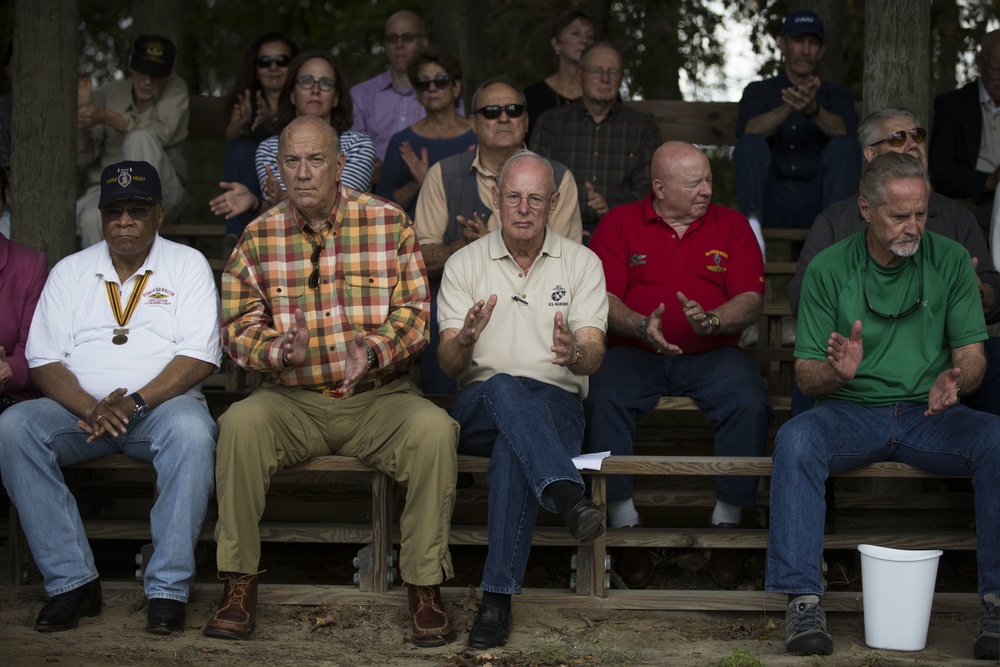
(371, 279)
(176, 316)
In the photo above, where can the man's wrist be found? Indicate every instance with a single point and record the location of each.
(814, 114)
(643, 335)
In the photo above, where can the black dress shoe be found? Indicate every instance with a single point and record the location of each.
(64, 611)
(491, 627)
(585, 520)
(165, 616)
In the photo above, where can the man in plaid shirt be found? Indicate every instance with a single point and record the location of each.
(326, 296)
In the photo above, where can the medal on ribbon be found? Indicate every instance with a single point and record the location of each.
(120, 334)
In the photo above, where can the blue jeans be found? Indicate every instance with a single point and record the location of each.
(793, 203)
(837, 436)
(178, 436)
(530, 430)
(238, 166)
(725, 383)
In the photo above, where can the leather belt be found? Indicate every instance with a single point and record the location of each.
(337, 393)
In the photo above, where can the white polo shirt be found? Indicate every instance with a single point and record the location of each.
(178, 314)
(566, 277)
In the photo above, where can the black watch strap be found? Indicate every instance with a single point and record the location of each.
(141, 409)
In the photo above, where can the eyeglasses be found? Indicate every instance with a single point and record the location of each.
(134, 212)
(909, 311)
(493, 111)
(314, 276)
(406, 37)
(281, 60)
(897, 139)
(440, 82)
(326, 84)
(513, 200)
(599, 72)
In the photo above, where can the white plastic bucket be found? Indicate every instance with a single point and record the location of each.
(898, 587)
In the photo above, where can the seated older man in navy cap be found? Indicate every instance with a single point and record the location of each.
(144, 118)
(124, 333)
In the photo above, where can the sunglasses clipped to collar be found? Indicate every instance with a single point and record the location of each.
(280, 60)
(897, 139)
(493, 111)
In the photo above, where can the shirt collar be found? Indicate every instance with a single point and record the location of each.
(986, 100)
(105, 268)
(332, 222)
(385, 83)
(498, 250)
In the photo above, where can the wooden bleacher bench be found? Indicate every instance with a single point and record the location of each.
(591, 585)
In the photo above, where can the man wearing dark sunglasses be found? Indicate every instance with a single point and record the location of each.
(455, 205)
(897, 130)
(327, 297)
(890, 338)
(607, 145)
(123, 336)
(796, 152)
(141, 118)
(965, 150)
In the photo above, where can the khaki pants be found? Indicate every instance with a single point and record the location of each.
(392, 428)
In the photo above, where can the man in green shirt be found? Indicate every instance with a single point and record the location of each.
(890, 335)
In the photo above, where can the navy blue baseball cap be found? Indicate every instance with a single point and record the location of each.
(803, 22)
(130, 180)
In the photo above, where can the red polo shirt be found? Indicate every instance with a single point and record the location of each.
(646, 264)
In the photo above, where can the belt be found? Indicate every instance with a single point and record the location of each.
(338, 393)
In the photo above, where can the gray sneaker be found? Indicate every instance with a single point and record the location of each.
(805, 627)
(987, 646)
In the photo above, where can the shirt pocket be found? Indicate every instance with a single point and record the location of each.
(284, 298)
(367, 298)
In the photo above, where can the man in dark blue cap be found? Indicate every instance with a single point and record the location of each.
(141, 118)
(124, 333)
(796, 153)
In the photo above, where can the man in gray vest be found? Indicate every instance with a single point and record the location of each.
(455, 206)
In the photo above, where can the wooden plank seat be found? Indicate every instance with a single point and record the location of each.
(590, 581)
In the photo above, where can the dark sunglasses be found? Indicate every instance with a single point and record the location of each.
(282, 60)
(493, 111)
(885, 316)
(134, 212)
(314, 276)
(897, 139)
(440, 82)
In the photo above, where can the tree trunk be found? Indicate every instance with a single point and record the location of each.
(43, 135)
(831, 66)
(460, 27)
(897, 56)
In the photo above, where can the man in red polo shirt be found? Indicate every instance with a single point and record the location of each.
(684, 278)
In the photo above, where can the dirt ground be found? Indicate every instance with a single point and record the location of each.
(377, 634)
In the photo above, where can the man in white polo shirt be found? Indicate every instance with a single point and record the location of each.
(522, 374)
(124, 333)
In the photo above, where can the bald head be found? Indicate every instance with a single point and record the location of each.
(310, 163)
(404, 36)
(682, 182)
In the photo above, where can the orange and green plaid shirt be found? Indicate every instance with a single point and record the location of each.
(371, 279)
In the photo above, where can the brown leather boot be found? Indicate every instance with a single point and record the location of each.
(429, 621)
(237, 613)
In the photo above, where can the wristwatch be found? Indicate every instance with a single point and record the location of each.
(713, 321)
(372, 358)
(141, 409)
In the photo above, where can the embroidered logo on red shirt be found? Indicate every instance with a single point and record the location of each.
(717, 257)
(636, 260)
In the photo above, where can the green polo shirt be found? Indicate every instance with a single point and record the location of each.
(904, 356)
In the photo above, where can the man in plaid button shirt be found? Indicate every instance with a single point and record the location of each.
(326, 296)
